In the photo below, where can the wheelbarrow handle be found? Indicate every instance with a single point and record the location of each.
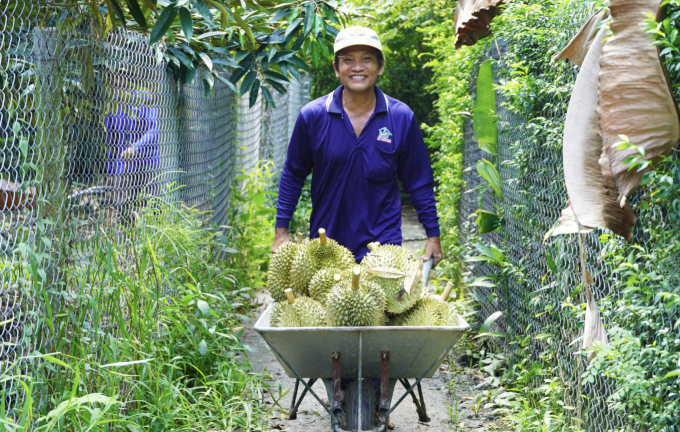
(426, 269)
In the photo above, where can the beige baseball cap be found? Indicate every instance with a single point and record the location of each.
(352, 36)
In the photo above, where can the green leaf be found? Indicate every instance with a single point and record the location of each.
(268, 97)
(136, 12)
(206, 59)
(299, 63)
(329, 13)
(187, 23)
(163, 23)
(487, 221)
(181, 57)
(203, 306)
(310, 16)
(227, 82)
(272, 75)
(240, 55)
(248, 82)
(259, 199)
(490, 334)
(237, 75)
(119, 11)
(291, 28)
(490, 320)
(282, 55)
(490, 174)
(278, 87)
(482, 281)
(226, 62)
(315, 53)
(203, 9)
(484, 121)
(672, 374)
(254, 92)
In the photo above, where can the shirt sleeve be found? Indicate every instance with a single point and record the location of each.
(415, 172)
(298, 165)
(150, 137)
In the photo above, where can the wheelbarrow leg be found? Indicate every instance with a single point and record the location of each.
(292, 414)
(420, 405)
(384, 403)
(337, 395)
(294, 409)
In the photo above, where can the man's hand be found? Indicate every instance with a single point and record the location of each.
(433, 248)
(128, 153)
(280, 237)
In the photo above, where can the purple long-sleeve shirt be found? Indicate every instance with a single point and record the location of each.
(137, 127)
(355, 193)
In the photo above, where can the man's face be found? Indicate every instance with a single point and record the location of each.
(358, 69)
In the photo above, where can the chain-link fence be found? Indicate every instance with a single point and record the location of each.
(534, 194)
(90, 124)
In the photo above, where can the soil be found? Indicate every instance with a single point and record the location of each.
(449, 395)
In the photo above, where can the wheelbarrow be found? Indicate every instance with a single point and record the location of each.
(374, 357)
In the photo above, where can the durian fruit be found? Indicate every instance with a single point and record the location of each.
(399, 298)
(278, 278)
(367, 285)
(353, 303)
(323, 282)
(302, 270)
(275, 316)
(431, 310)
(301, 312)
(329, 253)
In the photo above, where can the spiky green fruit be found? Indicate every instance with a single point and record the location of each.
(396, 257)
(302, 270)
(278, 278)
(354, 303)
(429, 311)
(366, 285)
(323, 282)
(304, 312)
(329, 253)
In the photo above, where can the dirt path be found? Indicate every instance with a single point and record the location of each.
(448, 395)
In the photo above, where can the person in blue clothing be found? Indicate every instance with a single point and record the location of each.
(132, 137)
(358, 142)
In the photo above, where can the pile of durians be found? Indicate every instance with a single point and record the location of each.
(319, 284)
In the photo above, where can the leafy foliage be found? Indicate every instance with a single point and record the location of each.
(148, 335)
(260, 42)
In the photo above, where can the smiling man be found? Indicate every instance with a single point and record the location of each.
(358, 142)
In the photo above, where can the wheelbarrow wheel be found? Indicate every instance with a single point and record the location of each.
(368, 406)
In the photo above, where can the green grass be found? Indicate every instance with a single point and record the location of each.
(143, 335)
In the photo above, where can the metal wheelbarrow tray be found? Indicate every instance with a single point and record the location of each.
(387, 354)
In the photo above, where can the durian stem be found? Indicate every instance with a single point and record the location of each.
(299, 235)
(289, 296)
(355, 278)
(447, 291)
(322, 236)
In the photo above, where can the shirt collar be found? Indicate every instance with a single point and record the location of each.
(334, 101)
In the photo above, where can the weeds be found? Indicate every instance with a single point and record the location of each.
(145, 331)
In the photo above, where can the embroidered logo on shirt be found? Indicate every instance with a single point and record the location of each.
(385, 135)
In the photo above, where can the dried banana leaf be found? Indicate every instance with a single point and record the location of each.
(591, 195)
(593, 329)
(578, 47)
(635, 97)
(473, 18)
(567, 224)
